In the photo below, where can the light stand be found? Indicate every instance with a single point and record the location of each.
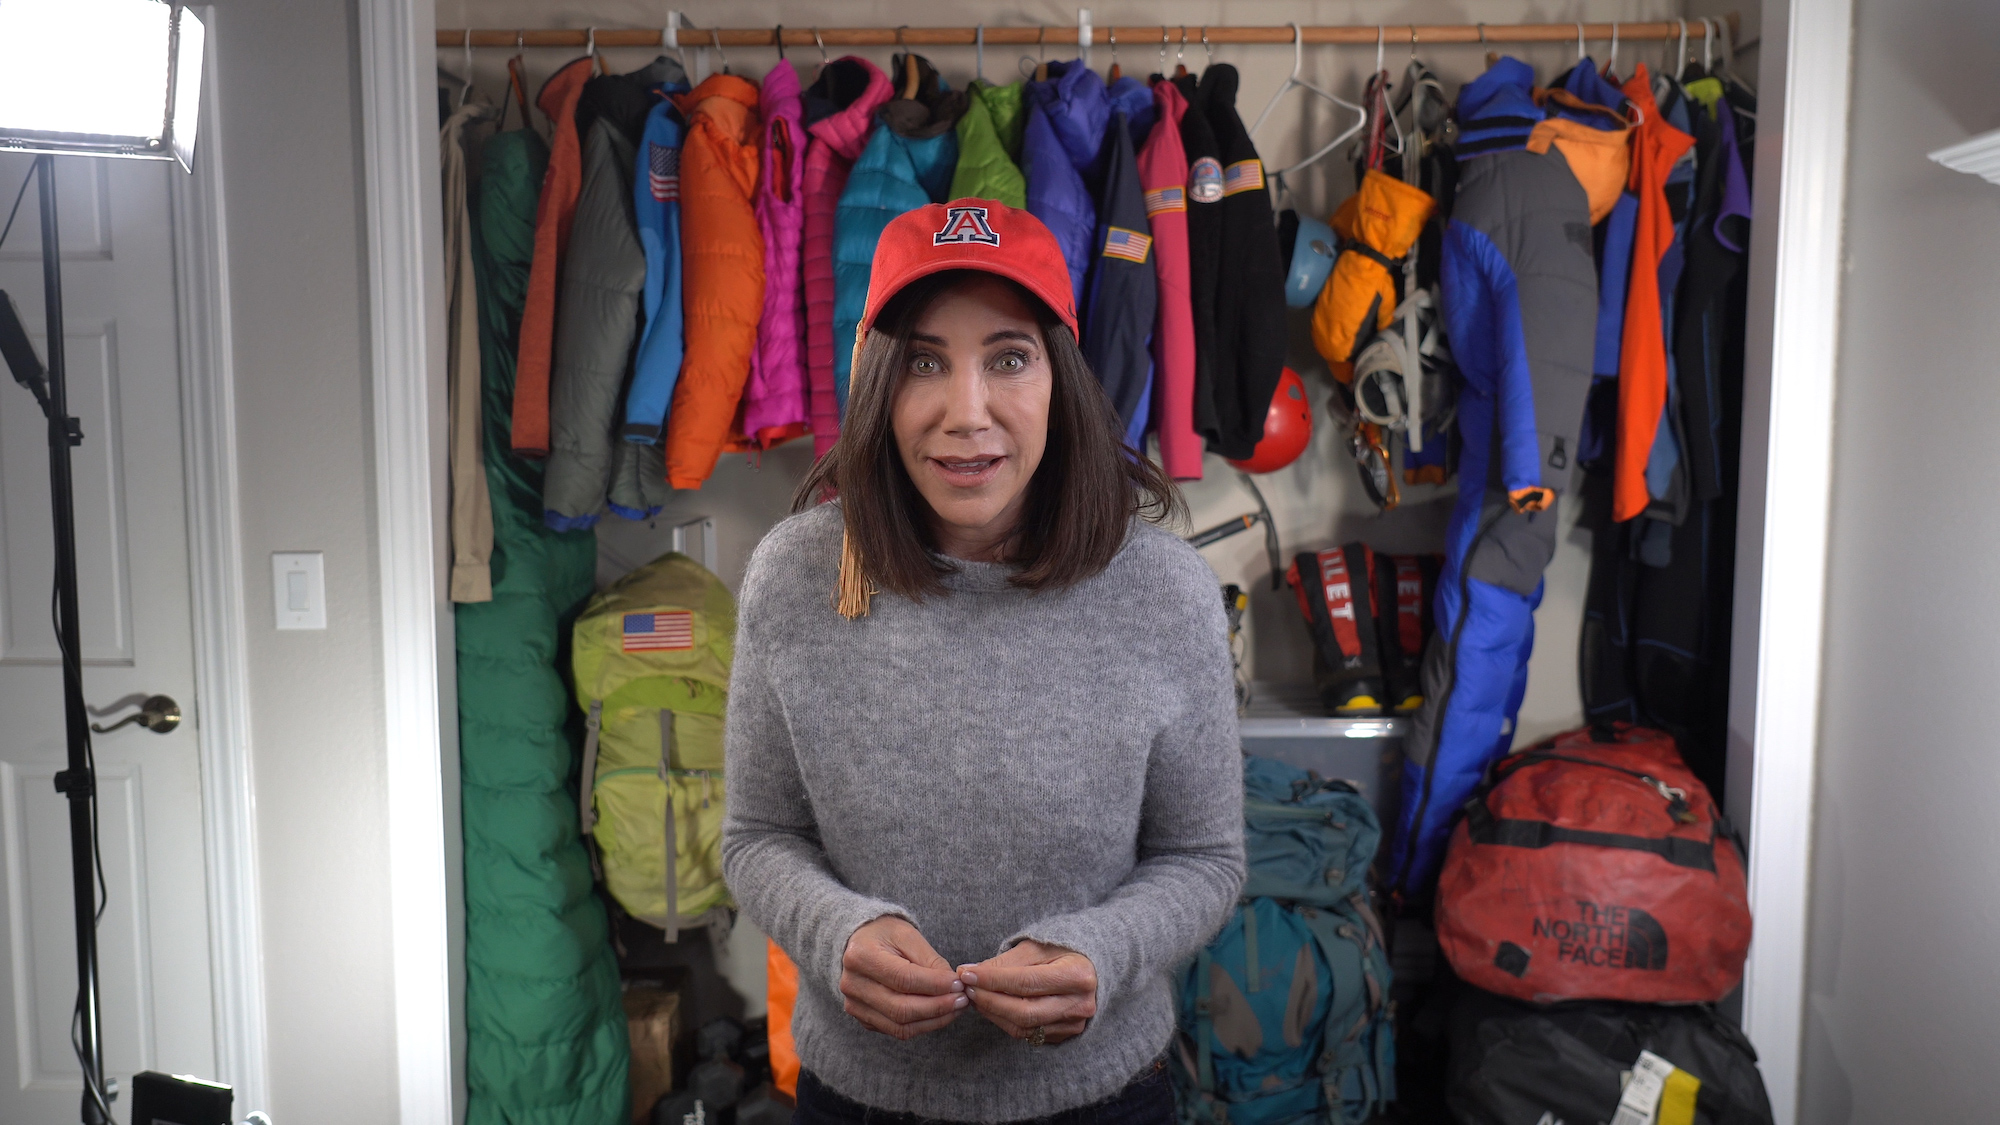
(78, 782)
(140, 102)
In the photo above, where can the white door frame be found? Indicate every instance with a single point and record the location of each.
(402, 184)
(216, 599)
(1787, 482)
(1782, 526)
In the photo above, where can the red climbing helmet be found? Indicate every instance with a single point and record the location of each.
(1288, 428)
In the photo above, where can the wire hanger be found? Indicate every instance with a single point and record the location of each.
(590, 52)
(821, 44)
(979, 53)
(1116, 71)
(1579, 43)
(517, 80)
(1492, 56)
(1293, 82)
(465, 91)
(778, 36)
(1611, 63)
(1680, 66)
(1206, 47)
(1180, 56)
(715, 35)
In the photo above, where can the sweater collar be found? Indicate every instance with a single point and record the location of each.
(978, 577)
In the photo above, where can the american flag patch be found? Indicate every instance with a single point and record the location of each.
(1165, 199)
(645, 632)
(663, 164)
(1127, 244)
(1244, 175)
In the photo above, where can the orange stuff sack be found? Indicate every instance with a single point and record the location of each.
(1377, 226)
(1600, 159)
(722, 270)
(783, 992)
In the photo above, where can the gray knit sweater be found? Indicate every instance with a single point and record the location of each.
(995, 766)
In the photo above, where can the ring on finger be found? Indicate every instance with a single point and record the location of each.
(1038, 1037)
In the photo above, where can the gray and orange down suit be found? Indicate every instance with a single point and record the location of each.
(1519, 294)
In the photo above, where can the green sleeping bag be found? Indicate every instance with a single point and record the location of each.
(545, 1029)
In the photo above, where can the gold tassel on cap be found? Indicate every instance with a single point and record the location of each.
(851, 594)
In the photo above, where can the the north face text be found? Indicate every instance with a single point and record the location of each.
(966, 224)
(1607, 937)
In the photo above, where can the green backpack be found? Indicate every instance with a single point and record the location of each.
(652, 660)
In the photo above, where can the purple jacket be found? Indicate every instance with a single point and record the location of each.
(774, 400)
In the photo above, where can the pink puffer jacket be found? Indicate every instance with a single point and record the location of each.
(1163, 173)
(859, 88)
(774, 401)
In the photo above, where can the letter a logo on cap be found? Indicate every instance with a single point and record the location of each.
(966, 224)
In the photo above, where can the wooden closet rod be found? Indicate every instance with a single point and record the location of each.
(1061, 37)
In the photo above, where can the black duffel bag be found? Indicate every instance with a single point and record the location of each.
(1519, 1064)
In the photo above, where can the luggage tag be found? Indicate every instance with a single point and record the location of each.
(1646, 1100)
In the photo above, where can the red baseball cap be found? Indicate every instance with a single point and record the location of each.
(969, 234)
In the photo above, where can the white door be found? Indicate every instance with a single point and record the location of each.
(131, 531)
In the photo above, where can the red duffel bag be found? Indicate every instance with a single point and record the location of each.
(1595, 870)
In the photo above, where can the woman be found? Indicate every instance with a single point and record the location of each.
(983, 767)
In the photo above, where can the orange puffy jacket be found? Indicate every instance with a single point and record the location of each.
(553, 213)
(722, 266)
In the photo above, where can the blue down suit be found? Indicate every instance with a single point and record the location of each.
(1519, 293)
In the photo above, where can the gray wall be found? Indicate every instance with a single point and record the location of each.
(289, 114)
(1903, 1011)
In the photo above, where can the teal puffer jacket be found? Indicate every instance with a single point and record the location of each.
(908, 163)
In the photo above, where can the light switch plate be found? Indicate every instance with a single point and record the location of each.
(298, 589)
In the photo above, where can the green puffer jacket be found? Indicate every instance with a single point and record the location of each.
(989, 145)
(545, 1027)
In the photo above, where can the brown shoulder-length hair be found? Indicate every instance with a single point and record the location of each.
(1080, 501)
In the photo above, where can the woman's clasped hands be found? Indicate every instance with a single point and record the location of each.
(895, 983)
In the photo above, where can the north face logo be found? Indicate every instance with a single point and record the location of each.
(966, 224)
(1607, 937)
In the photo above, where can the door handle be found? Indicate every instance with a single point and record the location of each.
(159, 714)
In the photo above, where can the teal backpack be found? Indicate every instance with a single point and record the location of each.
(1285, 1016)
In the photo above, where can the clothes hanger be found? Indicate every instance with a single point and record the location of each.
(909, 92)
(1116, 72)
(979, 53)
(715, 36)
(778, 37)
(821, 44)
(1206, 47)
(1492, 56)
(1611, 63)
(517, 80)
(465, 91)
(590, 52)
(1042, 55)
(1579, 43)
(1180, 56)
(1163, 52)
(1293, 81)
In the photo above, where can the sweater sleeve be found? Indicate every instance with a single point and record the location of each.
(1190, 855)
(772, 858)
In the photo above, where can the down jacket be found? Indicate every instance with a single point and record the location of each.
(1118, 319)
(554, 212)
(639, 474)
(722, 256)
(774, 405)
(839, 112)
(1060, 155)
(989, 145)
(907, 164)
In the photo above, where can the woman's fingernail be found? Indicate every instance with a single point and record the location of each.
(958, 986)
(959, 1003)
(969, 976)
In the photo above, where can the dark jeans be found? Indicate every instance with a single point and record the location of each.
(1149, 1100)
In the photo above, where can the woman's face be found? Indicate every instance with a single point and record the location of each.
(971, 414)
